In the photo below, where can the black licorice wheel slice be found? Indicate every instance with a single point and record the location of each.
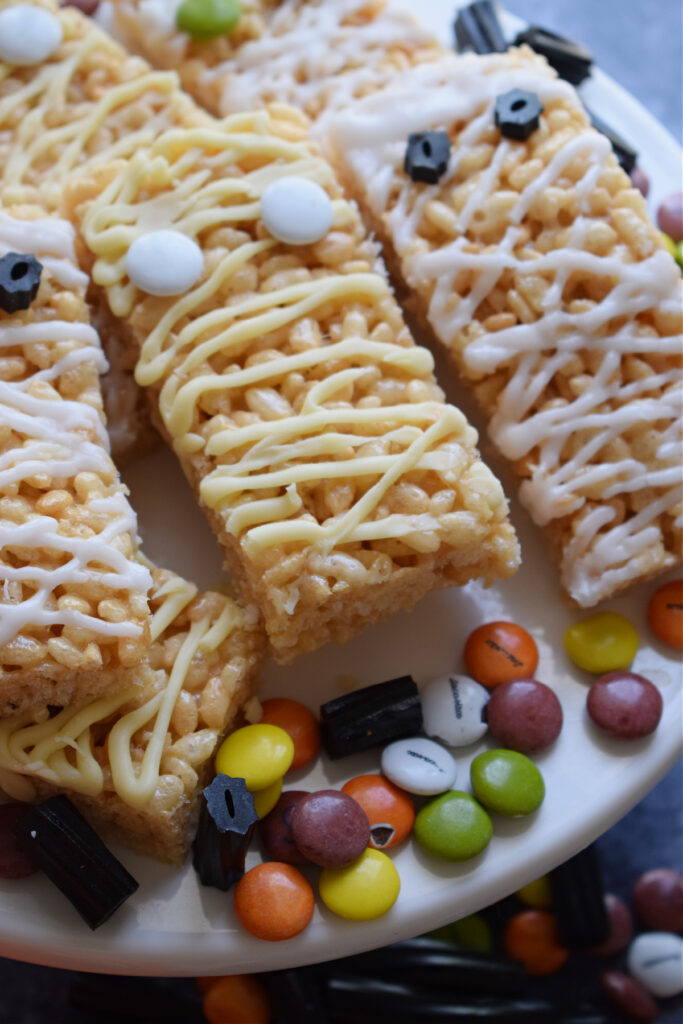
(19, 281)
(579, 901)
(477, 28)
(370, 717)
(74, 857)
(226, 824)
(571, 59)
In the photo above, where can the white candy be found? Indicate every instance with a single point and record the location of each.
(451, 710)
(164, 262)
(655, 959)
(419, 766)
(296, 210)
(28, 35)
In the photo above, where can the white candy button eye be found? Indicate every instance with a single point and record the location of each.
(451, 710)
(655, 959)
(164, 262)
(296, 210)
(28, 35)
(419, 766)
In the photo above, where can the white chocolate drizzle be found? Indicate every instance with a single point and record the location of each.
(60, 438)
(282, 455)
(61, 749)
(370, 139)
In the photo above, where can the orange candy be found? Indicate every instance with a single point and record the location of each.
(236, 999)
(532, 938)
(274, 901)
(299, 722)
(389, 809)
(665, 614)
(498, 652)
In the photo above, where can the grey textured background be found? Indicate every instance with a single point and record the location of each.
(640, 44)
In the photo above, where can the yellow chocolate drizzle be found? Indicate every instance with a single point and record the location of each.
(194, 190)
(37, 745)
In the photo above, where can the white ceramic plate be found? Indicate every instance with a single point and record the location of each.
(173, 926)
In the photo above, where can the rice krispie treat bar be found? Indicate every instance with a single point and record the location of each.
(533, 260)
(315, 54)
(73, 610)
(340, 484)
(136, 762)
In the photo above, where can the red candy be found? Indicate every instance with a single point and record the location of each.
(625, 705)
(620, 927)
(670, 216)
(330, 828)
(524, 715)
(389, 809)
(640, 180)
(14, 861)
(658, 900)
(276, 829)
(299, 722)
(84, 6)
(628, 995)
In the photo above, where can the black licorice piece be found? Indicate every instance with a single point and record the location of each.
(226, 823)
(477, 28)
(296, 996)
(19, 281)
(359, 998)
(517, 113)
(624, 152)
(370, 717)
(74, 857)
(579, 901)
(106, 999)
(427, 156)
(439, 964)
(571, 59)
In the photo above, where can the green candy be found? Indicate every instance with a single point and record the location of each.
(472, 932)
(207, 19)
(453, 826)
(507, 782)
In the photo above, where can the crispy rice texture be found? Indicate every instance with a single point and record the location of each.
(51, 414)
(209, 705)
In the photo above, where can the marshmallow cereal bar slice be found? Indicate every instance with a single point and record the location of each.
(73, 610)
(528, 254)
(340, 484)
(135, 762)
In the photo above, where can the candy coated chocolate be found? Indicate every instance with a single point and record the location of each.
(658, 900)
(330, 828)
(655, 959)
(624, 705)
(620, 927)
(628, 995)
(670, 216)
(640, 180)
(276, 829)
(524, 715)
(507, 782)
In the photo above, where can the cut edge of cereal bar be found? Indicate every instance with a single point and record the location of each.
(196, 677)
(521, 261)
(73, 599)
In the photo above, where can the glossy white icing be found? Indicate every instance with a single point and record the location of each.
(567, 436)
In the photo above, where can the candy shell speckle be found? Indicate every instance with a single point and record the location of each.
(296, 211)
(164, 262)
(28, 35)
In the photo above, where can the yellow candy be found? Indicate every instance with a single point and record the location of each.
(259, 754)
(601, 643)
(537, 894)
(265, 799)
(362, 891)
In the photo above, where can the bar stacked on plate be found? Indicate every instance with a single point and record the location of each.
(529, 256)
